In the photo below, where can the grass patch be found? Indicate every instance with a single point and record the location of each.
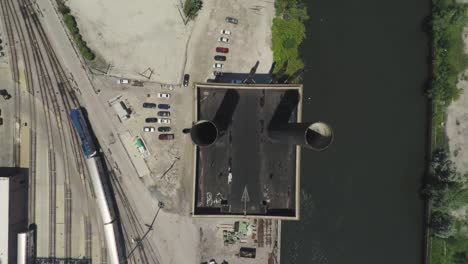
(70, 23)
(191, 8)
(288, 32)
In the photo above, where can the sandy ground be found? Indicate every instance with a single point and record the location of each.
(134, 36)
(457, 129)
(457, 121)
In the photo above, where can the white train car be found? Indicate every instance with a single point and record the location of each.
(22, 250)
(109, 234)
(107, 219)
(99, 190)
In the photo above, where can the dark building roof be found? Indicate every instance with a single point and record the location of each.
(265, 174)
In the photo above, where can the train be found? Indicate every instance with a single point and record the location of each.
(102, 192)
(82, 129)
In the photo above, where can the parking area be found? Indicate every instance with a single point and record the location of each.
(248, 41)
(159, 156)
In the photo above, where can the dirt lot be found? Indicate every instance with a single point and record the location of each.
(134, 36)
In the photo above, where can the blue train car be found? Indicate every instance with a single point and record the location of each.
(82, 129)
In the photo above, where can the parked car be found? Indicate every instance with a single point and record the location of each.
(166, 136)
(164, 129)
(220, 58)
(222, 49)
(149, 129)
(225, 32)
(164, 113)
(164, 106)
(149, 105)
(217, 73)
(232, 20)
(122, 81)
(186, 79)
(2, 54)
(223, 39)
(218, 65)
(5, 94)
(164, 121)
(1, 121)
(151, 120)
(236, 81)
(164, 95)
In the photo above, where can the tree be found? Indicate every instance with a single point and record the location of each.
(441, 224)
(460, 257)
(298, 12)
(443, 169)
(191, 8)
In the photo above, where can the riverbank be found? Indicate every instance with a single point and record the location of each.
(448, 196)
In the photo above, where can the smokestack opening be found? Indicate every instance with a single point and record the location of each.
(319, 136)
(204, 133)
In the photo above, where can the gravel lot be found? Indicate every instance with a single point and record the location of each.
(134, 36)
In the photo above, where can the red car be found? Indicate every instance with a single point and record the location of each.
(222, 49)
(166, 136)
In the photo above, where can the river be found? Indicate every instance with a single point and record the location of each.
(367, 67)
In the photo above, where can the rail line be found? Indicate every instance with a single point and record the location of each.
(52, 78)
(136, 226)
(69, 101)
(12, 24)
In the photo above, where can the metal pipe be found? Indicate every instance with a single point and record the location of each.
(317, 136)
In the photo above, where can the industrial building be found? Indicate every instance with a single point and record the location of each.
(247, 157)
(14, 217)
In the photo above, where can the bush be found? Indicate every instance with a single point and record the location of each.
(62, 8)
(287, 34)
(191, 8)
(70, 23)
(443, 169)
(441, 224)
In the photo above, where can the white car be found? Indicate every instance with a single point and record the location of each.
(225, 32)
(223, 39)
(164, 95)
(122, 81)
(149, 129)
(218, 65)
(164, 121)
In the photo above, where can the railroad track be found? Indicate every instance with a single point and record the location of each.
(51, 78)
(55, 89)
(67, 97)
(12, 24)
(147, 252)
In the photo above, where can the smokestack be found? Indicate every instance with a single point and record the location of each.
(317, 136)
(204, 133)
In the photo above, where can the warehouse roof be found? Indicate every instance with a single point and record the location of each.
(244, 173)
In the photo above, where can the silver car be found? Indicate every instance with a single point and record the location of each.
(223, 39)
